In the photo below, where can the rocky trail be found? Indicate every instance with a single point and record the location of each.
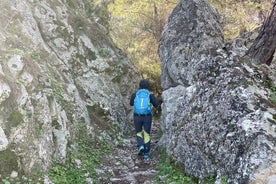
(124, 166)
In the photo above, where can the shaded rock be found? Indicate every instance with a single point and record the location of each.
(59, 68)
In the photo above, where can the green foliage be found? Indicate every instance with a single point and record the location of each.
(91, 55)
(274, 118)
(224, 180)
(270, 85)
(8, 159)
(14, 120)
(58, 90)
(168, 171)
(82, 159)
(105, 52)
(171, 172)
(37, 129)
(273, 95)
(68, 173)
(241, 16)
(20, 180)
(136, 28)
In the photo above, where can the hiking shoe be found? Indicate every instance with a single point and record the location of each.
(141, 150)
(146, 156)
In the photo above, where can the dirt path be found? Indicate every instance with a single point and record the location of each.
(124, 166)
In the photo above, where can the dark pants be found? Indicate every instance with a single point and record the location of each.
(143, 128)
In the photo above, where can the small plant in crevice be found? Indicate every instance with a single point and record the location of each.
(82, 159)
(212, 180)
(270, 85)
(273, 95)
(170, 172)
(105, 52)
(58, 90)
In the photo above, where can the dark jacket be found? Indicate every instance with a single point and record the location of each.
(144, 84)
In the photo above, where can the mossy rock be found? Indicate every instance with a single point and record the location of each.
(8, 162)
(14, 120)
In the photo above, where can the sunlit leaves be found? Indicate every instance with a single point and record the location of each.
(239, 16)
(136, 27)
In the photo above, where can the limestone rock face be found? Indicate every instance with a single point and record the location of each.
(218, 118)
(58, 68)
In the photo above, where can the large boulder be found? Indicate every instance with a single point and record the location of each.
(217, 115)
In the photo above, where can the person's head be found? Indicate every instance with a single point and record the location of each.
(144, 84)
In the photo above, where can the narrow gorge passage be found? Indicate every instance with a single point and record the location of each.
(124, 166)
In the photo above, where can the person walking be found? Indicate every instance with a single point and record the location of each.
(142, 101)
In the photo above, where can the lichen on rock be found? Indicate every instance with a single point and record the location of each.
(216, 107)
(55, 62)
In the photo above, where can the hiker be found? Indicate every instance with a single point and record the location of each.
(142, 100)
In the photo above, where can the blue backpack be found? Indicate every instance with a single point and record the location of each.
(142, 102)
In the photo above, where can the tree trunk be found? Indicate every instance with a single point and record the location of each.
(263, 48)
